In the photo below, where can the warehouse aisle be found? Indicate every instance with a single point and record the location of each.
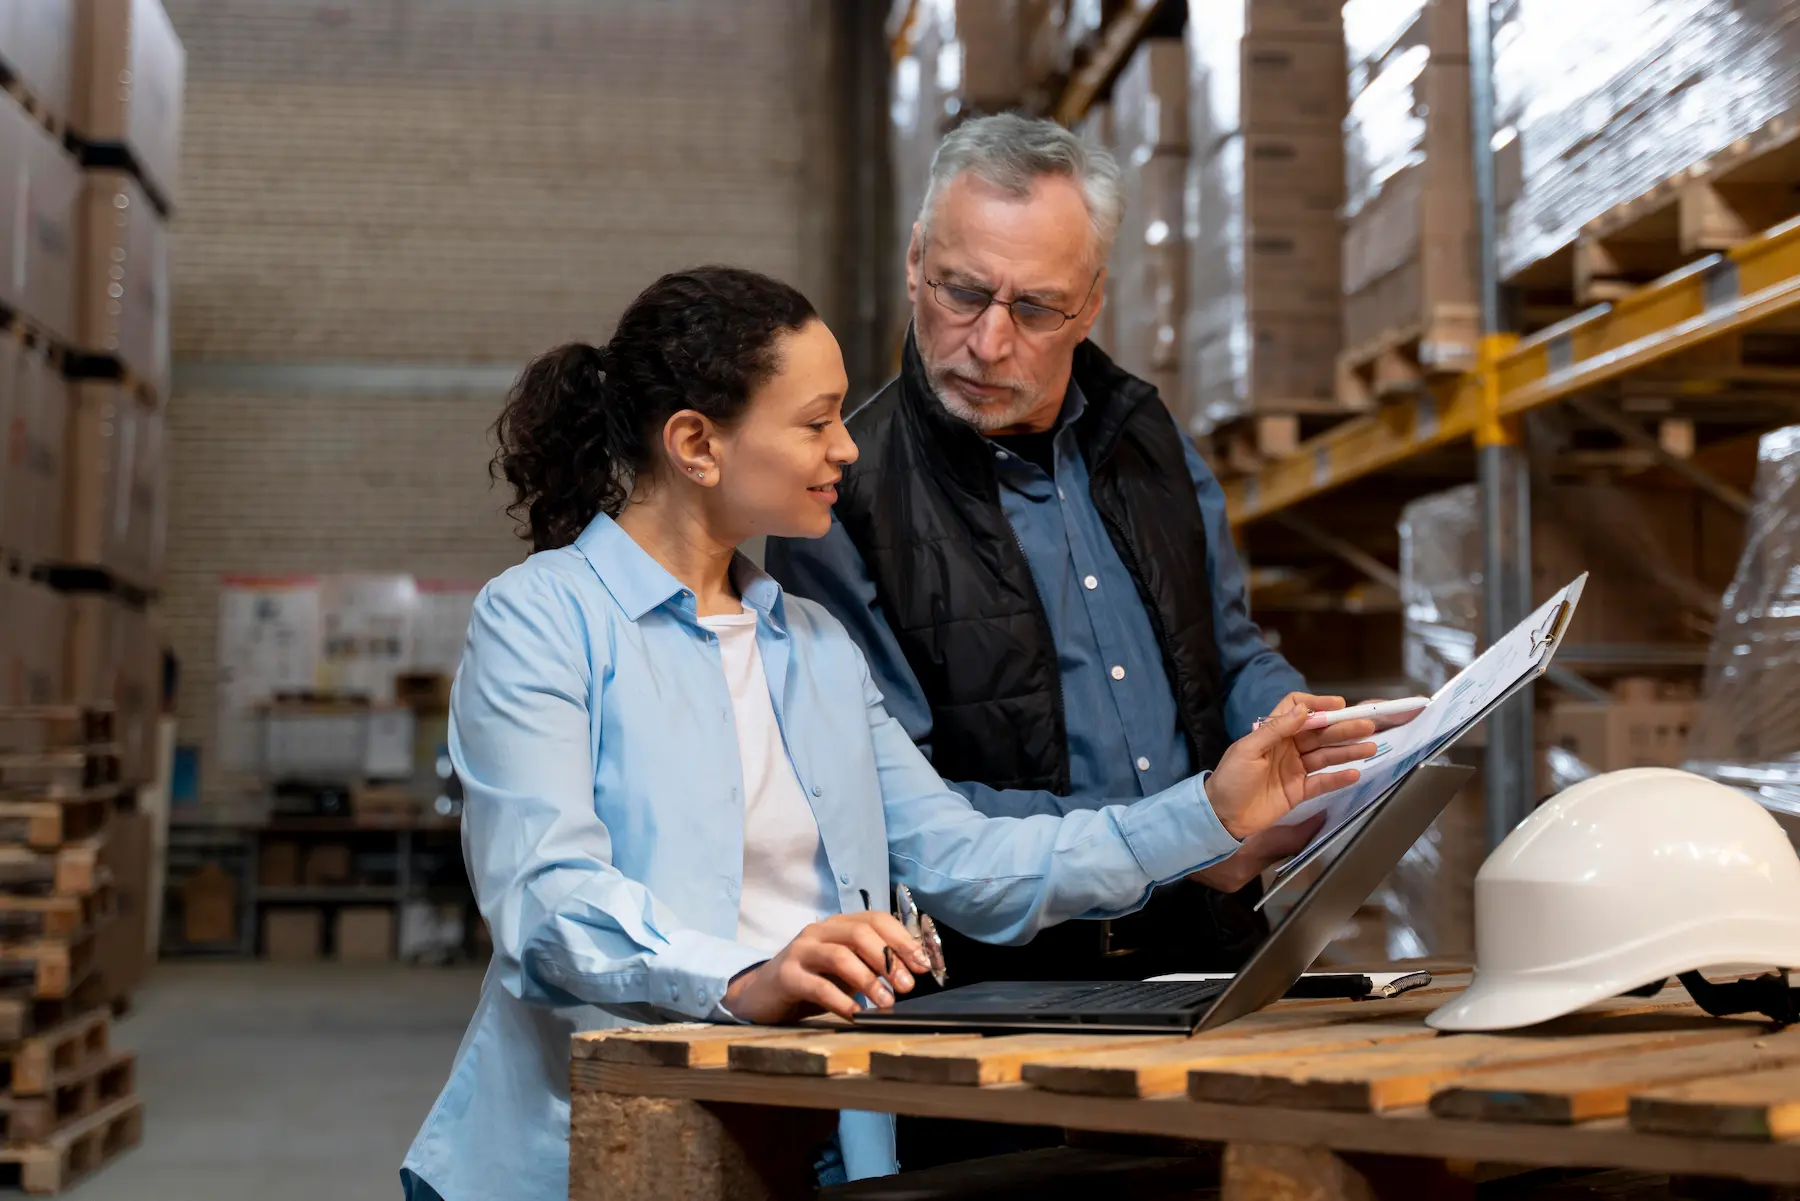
(284, 1083)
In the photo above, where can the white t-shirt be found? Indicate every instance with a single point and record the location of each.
(787, 880)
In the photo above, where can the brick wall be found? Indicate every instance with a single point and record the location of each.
(461, 181)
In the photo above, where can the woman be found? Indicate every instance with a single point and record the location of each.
(684, 799)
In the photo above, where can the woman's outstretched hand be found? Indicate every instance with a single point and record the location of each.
(826, 966)
(1263, 775)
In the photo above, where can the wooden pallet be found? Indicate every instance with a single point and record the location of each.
(73, 870)
(55, 967)
(56, 917)
(1649, 1084)
(71, 1154)
(60, 773)
(1403, 361)
(1710, 206)
(35, 1064)
(29, 728)
(50, 823)
(1247, 445)
(75, 1094)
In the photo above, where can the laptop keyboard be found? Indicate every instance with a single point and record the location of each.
(1129, 996)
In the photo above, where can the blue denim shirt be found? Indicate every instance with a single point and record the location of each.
(592, 729)
(1125, 738)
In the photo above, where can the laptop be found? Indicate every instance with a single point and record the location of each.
(1189, 1006)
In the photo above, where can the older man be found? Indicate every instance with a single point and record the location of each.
(1033, 557)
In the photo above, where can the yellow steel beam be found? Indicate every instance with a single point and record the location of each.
(1714, 297)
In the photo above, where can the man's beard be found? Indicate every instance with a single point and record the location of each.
(988, 415)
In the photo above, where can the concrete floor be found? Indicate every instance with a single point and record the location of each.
(282, 1082)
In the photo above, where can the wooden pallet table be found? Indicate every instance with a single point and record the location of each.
(1301, 1094)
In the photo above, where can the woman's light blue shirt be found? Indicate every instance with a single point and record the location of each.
(603, 829)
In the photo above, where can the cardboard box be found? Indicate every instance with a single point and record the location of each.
(1624, 734)
(50, 188)
(1288, 177)
(278, 865)
(1046, 52)
(1318, 19)
(1285, 267)
(122, 305)
(1150, 99)
(32, 624)
(1411, 248)
(129, 83)
(293, 935)
(37, 39)
(114, 657)
(328, 863)
(209, 906)
(1293, 85)
(115, 510)
(123, 953)
(1265, 363)
(35, 408)
(365, 934)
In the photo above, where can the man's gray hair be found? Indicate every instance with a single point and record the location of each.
(1011, 153)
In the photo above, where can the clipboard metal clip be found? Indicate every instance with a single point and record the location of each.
(1545, 636)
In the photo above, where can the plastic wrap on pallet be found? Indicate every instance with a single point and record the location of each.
(1600, 101)
(1440, 584)
(1748, 729)
(963, 57)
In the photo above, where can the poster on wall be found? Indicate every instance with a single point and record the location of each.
(269, 642)
(367, 633)
(441, 625)
(348, 635)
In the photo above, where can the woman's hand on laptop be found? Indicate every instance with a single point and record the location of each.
(826, 966)
(1264, 774)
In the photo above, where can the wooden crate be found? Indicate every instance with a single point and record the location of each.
(49, 823)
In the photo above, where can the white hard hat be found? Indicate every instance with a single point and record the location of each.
(1620, 882)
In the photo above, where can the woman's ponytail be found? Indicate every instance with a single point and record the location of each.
(562, 445)
(584, 423)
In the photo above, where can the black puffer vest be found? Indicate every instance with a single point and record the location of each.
(922, 504)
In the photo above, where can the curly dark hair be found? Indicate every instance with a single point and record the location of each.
(584, 422)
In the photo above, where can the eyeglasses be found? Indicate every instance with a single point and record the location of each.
(1034, 318)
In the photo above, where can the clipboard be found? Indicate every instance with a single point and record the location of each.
(1513, 662)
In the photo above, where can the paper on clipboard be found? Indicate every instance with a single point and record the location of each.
(1519, 657)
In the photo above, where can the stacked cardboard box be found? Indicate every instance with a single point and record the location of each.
(1147, 281)
(1264, 185)
(35, 37)
(1643, 549)
(37, 258)
(1411, 265)
(1601, 101)
(1096, 129)
(1643, 726)
(964, 57)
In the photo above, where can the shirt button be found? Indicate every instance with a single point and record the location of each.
(999, 454)
(1090, 583)
(844, 879)
(817, 791)
(1143, 763)
(1118, 673)
(1059, 495)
